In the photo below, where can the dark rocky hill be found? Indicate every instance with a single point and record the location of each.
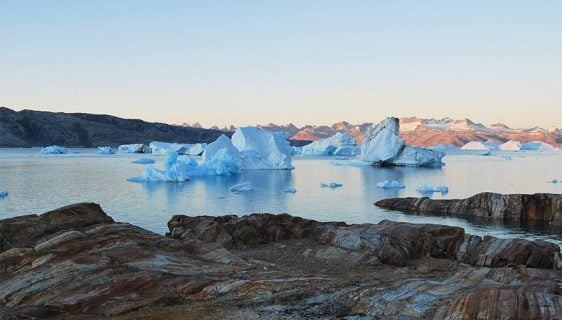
(29, 128)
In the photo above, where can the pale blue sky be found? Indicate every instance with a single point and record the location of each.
(309, 62)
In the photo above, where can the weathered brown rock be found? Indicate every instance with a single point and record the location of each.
(278, 267)
(543, 207)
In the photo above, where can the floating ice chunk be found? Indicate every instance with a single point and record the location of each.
(475, 145)
(511, 145)
(390, 184)
(144, 161)
(159, 147)
(221, 143)
(53, 150)
(444, 147)
(537, 146)
(3, 193)
(222, 164)
(196, 149)
(419, 157)
(428, 188)
(382, 143)
(290, 190)
(176, 169)
(492, 144)
(296, 150)
(331, 185)
(338, 144)
(242, 187)
(134, 148)
(105, 150)
(348, 151)
(262, 149)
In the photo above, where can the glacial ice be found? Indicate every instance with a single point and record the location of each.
(261, 149)
(390, 184)
(475, 145)
(176, 168)
(416, 156)
(382, 143)
(537, 146)
(383, 146)
(242, 187)
(3, 193)
(296, 150)
(134, 148)
(444, 147)
(331, 185)
(492, 144)
(221, 143)
(53, 150)
(105, 150)
(428, 188)
(290, 190)
(159, 147)
(144, 161)
(196, 149)
(339, 144)
(511, 145)
(221, 164)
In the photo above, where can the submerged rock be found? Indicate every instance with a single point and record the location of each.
(544, 207)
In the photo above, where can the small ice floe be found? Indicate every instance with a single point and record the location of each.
(53, 150)
(3, 193)
(105, 150)
(242, 187)
(554, 181)
(290, 190)
(428, 188)
(144, 161)
(390, 184)
(331, 185)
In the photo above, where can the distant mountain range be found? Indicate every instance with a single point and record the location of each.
(28, 128)
(426, 132)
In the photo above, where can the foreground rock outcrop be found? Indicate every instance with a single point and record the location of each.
(76, 263)
(543, 207)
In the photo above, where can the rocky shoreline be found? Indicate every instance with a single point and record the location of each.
(539, 207)
(76, 262)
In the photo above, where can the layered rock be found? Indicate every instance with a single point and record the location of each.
(75, 263)
(542, 207)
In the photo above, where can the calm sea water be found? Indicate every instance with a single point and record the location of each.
(38, 183)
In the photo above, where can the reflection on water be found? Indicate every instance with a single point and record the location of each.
(38, 183)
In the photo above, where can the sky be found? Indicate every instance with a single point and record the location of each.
(306, 62)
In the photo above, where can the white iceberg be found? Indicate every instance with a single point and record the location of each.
(144, 161)
(222, 142)
(176, 169)
(511, 145)
(290, 190)
(421, 157)
(390, 184)
(331, 185)
(105, 150)
(3, 193)
(261, 149)
(428, 188)
(475, 145)
(159, 147)
(53, 150)
(537, 146)
(339, 144)
(221, 164)
(242, 187)
(492, 144)
(196, 149)
(134, 148)
(382, 143)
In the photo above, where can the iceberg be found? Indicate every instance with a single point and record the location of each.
(260, 149)
(511, 145)
(176, 168)
(390, 184)
(54, 150)
(338, 144)
(3, 193)
(134, 148)
(382, 143)
(347, 151)
(296, 150)
(444, 147)
(475, 145)
(105, 150)
(144, 161)
(242, 187)
(537, 146)
(221, 143)
(221, 164)
(196, 149)
(421, 157)
(331, 185)
(428, 188)
(383, 146)
(492, 144)
(290, 190)
(159, 147)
